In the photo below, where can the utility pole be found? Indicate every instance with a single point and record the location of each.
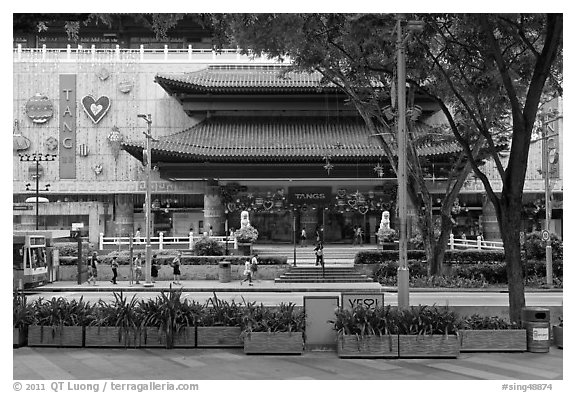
(402, 175)
(403, 273)
(148, 161)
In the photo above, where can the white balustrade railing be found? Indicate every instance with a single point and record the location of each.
(477, 244)
(141, 55)
(161, 241)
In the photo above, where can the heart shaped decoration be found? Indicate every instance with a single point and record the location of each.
(96, 109)
(363, 209)
(268, 205)
(341, 192)
(231, 207)
(352, 202)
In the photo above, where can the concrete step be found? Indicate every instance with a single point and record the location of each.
(326, 279)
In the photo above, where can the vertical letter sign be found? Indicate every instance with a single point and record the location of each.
(67, 113)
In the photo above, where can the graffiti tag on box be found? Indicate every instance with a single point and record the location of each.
(365, 299)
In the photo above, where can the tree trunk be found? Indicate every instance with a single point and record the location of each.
(436, 264)
(510, 224)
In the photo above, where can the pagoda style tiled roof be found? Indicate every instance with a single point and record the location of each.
(244, 79)
(277, 139)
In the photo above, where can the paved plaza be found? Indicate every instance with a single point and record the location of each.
(232, 364)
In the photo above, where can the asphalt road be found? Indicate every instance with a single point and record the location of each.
(271, 298)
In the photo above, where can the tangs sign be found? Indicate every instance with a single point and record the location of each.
(309, 195)
(67, 133)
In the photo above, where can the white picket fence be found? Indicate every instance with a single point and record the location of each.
(161, 241)
(477, 244)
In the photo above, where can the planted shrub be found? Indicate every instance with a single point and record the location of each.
(62, 312)
(284, 318)
(219, 312)
(22, 311)
(122, 313)
(479, 322)
(363, 321)
(536, 248)
(426, 320)
(208, 246)
(169, 314)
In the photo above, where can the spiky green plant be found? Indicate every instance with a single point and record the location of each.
(22, 312)
(218, 312)
(479, 322)
(284, 318)
(169, 314)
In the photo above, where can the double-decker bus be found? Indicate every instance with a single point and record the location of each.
(30, 259)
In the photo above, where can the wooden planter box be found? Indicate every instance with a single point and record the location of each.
(492, 340)
(558, 336)
(55, 336)
(350, 346)
(428, 346)
(245, 249)
(151, 337)
(186, 338)
(274, 343)
(106, 336)
(219, 336)
(20, 336)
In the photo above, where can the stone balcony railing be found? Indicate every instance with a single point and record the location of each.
(142, 55)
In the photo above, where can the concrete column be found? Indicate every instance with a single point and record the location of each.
(213, 210)
(28, 221)
(124, 214)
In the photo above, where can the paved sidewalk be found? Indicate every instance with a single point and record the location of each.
(259, 286)
(232, 364)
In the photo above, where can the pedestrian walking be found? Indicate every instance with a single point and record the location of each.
(137, 235)
(254, 266)
(154, 268)
(247, 272)
(138, 267)
(114, 270)
(303, 237)
(93, 268)
(358, 235)
(176, 262)
(210, 232)
(319, 249)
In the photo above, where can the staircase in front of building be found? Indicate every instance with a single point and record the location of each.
(338, 264)
(313, 274)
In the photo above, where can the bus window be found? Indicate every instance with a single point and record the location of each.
(38, 258)
(18, 257)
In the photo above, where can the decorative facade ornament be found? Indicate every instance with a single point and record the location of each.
(97, 169)
(103, 74)
(39, 108)
(83, 150)
(96, 109)
(379, 169)
(51, 143)
(125, 86)
(328, 166)
(20, 142)
(115, 139)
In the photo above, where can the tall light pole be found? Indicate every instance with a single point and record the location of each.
(37, 158)
(147, 157)
(401, 39)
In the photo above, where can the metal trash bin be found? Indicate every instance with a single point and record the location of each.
(536, 321)
(224, 272)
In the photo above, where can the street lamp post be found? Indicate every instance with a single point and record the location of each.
(401, 39)
(37, 158)
(148, 161)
